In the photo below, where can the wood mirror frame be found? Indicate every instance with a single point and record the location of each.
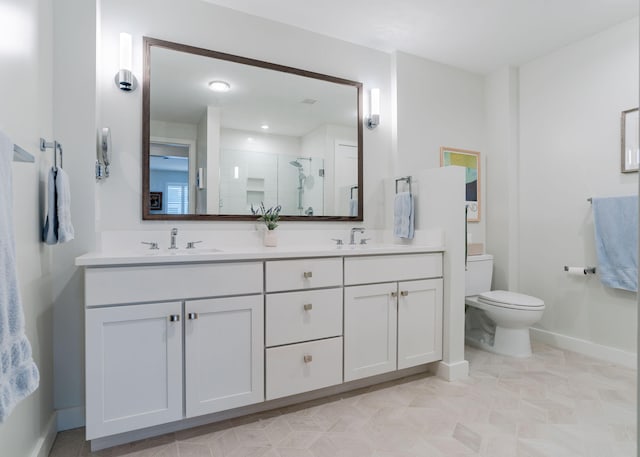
(150, 43)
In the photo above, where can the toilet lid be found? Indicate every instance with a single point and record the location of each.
(510, 299)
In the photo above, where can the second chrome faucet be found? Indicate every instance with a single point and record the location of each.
(352, 235)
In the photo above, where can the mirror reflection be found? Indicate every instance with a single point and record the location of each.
(223, 133)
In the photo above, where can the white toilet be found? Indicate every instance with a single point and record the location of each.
(497, 321)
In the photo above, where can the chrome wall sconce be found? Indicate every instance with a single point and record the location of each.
(124, 78)
(374, 109)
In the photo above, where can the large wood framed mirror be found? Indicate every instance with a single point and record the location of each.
(275, 135)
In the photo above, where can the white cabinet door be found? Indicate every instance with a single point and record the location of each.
(419, 322)
(133, 367)
(370, 330)
(224, 353)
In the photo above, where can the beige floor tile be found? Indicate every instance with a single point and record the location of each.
(554, 404)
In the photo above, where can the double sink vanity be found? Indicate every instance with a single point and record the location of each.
(183, 337)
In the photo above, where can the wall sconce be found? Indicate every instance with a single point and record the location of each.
(374, 109)
(124, 78)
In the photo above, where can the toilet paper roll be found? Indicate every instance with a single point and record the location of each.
(576, 271)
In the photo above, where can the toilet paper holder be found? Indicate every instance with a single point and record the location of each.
(585, 270)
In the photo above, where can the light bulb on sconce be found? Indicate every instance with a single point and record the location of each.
(374, 109)
(124, 78)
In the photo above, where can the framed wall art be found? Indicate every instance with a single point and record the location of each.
(471, 161)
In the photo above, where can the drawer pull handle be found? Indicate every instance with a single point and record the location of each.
(174, 318)
(193, 316)
(404, 293)
(307, 274)
(394, 294)
(307, 358)
(308, 306)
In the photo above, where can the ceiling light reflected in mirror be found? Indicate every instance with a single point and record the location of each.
(219, 86)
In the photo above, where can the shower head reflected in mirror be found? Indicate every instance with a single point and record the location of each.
(296, 164)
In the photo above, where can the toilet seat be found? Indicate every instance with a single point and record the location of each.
(511, 300)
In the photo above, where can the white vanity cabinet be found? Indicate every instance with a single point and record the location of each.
(394, 319)
(303, 325)
(137, 354)
(170, 343)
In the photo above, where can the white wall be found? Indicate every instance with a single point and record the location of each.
(75, 126)
(570, 104)
(502, 176)
(437, 105)
(26, 30)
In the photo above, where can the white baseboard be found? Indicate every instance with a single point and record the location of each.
(45, 442)
(597, 351)
(452, 371)
(70, 418)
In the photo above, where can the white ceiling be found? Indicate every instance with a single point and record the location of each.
(475, 35)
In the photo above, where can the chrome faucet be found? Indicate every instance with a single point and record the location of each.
(174, 234)
(352, 235)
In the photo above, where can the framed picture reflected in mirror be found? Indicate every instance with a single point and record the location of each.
(155, 201)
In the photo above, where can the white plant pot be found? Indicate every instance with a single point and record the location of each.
(270, 238)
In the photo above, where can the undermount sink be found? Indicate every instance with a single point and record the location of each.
(373, 247)
(197, 251)
(181, 251)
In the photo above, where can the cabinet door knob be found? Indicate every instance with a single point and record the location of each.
(192, 316)
(174, 318)
(307, 274)
(308, 306)
(307, 358)
(404, 293)
(394, 294)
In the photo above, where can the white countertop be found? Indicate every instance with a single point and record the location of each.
(214, 254)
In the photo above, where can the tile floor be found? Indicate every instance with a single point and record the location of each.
(554, 404)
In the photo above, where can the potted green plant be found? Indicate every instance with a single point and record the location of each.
(270, 217)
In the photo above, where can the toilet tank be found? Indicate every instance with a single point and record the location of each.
(478, 274)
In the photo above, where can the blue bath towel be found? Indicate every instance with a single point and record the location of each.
(615, 220)
(19, 375)
(403, 217)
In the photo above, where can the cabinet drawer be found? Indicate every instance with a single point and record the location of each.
(303, 274)
(384, 268)
(106, 286)
(303, 367)
(292, 317)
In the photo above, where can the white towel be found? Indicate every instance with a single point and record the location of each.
(403, 215)
(19, 375)
(50, 230)
(63, 207)
(353, 207)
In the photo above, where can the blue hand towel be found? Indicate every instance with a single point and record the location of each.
(615, 221)
(63, 207)
(50, 230)
(353, 207)
(19, 375)
(403, 215)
